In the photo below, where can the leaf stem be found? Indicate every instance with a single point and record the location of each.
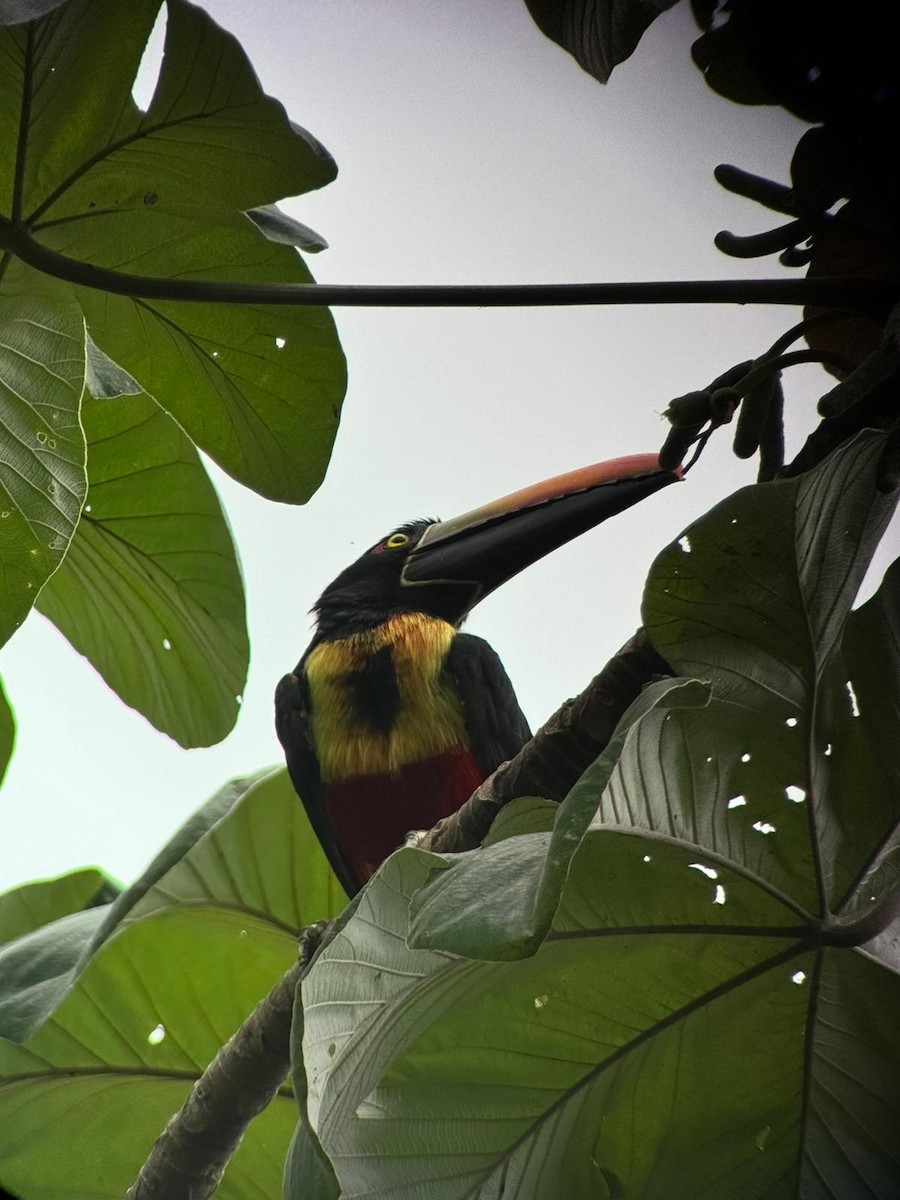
(855, 293)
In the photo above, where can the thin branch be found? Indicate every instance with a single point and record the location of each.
(866, 295)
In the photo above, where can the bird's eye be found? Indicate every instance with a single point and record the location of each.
(396, 540)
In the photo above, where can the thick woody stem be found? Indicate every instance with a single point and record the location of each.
(559, 752)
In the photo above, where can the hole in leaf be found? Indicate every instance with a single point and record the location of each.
(719, 897)
(737, 801)
(709, 872)
(145, 81)
(797, 794)
(854, 706)
(763, 827)
(798, 977)
(155, 1036)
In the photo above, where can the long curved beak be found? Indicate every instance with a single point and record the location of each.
(482, 549)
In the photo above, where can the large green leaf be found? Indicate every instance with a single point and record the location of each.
(42, 452)
(691, 1021)
(83, 1100)
(37, 971)
(162, 979)
(32, 905)
(150, 591)
(164, 193)
(249, 851)
(262, 859)
(756, 597)
(588, 1069)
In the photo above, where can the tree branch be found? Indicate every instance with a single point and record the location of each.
(875, 296)
(561, 750)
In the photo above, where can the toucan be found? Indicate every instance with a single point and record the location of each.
(393, 717)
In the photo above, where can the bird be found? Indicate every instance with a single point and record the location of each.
(393, 716)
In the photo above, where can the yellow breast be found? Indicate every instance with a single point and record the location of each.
(428, 718)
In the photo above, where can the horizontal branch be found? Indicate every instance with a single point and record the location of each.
(865, 295)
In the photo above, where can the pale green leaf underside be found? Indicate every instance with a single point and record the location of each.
(151, 591)
(757, 598)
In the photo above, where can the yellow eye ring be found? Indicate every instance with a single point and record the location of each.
(396, 540)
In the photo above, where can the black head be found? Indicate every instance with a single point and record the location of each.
(443, 568)
(372, 589)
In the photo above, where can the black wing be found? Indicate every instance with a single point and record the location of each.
(292, 705)
(496, 726)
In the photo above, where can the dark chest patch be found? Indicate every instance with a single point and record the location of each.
(374, 692)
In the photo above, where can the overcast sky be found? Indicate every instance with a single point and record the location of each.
(470, 149)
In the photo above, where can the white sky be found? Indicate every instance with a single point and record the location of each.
(470, 149)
